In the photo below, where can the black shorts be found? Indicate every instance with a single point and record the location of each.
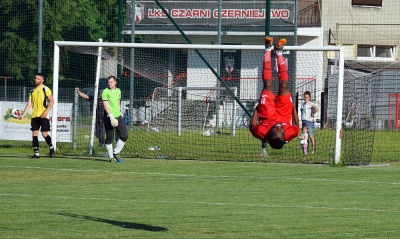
(40, 123)
(121, 129)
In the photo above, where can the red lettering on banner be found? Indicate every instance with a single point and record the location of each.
(196, 13)
(173, 13)
(230, 13)
(225, 13)
(277, 13)
(262, 14)
(285, 13)
(62, 118)
(240, 13)
(182, 13)
(156, 13)
(236, 13)
(190, 13)
(257, 14)
(205, 13)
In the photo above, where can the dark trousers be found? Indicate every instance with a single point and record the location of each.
(121, 129)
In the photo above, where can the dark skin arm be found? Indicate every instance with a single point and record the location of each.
(295, 117)
(254, 118)
(254, 121)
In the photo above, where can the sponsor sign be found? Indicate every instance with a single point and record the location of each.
(203, 15)
(15, 129)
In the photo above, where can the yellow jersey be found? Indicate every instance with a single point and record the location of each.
(39, 100)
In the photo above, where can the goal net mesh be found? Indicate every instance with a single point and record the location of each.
(209, 124)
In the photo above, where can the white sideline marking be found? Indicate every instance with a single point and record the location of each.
(203, 176)
(205, 203)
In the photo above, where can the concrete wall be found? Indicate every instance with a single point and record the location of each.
(360, 25)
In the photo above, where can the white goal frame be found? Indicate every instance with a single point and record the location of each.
(339, 49)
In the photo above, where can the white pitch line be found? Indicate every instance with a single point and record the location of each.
(205, 203)
(205, 176)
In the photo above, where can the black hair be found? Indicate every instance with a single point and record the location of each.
(40, 74)
(112, 77)
(277, 143)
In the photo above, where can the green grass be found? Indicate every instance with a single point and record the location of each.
(91, 198)
(386, 146)
(356, 145)
(192, 145)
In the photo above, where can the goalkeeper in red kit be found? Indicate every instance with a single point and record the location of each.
(275, 119)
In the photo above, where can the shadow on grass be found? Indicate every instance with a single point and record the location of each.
(97, 158)
(128, 225)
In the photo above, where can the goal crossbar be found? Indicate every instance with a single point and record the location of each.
(339, 49)
(193, 46)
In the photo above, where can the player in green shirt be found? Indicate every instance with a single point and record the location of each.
(113, 119)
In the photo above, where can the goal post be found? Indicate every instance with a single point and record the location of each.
(96, 92)
(255, 48)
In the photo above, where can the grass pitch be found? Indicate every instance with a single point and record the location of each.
(91, 198)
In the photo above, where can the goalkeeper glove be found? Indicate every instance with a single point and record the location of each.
(114, 121)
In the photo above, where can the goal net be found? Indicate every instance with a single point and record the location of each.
(195, 101)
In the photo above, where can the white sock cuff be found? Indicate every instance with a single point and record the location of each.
(109, 148)
(120, 145)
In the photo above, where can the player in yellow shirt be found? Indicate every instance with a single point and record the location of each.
(41, 100)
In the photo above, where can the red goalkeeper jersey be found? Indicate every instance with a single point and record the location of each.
(272, 110)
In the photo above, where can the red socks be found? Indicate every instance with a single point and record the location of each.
(267, 69)
(283, 75)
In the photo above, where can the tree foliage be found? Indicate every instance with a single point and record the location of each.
(72, 20)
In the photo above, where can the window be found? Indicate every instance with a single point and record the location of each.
(367, 3)
(380, 53)
(383, 52)
(364, 51)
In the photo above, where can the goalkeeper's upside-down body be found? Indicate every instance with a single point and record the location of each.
(275, 119)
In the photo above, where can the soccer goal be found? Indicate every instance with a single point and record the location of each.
(194, 101)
